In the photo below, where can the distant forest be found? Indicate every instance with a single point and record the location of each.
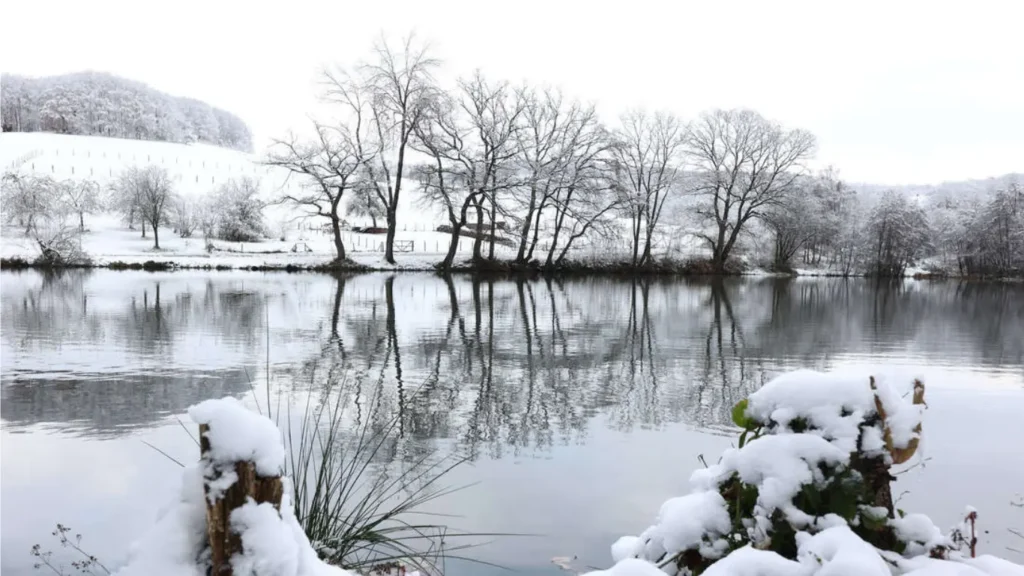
(100, 104)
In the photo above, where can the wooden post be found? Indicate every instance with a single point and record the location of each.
(223, 542)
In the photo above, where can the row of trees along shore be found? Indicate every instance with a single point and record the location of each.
(487, 152)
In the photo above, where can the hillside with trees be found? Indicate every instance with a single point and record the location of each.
(100, 104)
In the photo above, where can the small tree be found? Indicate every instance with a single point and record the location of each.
(147, 192)
(187, 213)
(897, 234)
(365, 203)
(240, 211)
(28, 198)
(81, 197)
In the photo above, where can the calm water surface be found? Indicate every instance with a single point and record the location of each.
(582, 404)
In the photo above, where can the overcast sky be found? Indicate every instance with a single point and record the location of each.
(896, 91)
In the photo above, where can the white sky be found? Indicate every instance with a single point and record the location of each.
(897, 91)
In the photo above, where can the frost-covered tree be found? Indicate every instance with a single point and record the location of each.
(795, 220)
(364, 203)
(742, 164)
(240, 211)
(647, 164)
(563, 152)
(326, 167)
(146, 193)
(187, 214)
(468, 137)
(991, 241)
(897, 234)
(397, 86)
(80, 197)
(27, 198)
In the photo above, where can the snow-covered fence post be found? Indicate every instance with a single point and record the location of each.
(241, 457)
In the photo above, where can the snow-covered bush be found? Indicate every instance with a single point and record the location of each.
(806, 492)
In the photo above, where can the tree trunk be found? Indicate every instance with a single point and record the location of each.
(453, 246)
(636, 239)
(156, 235)
(389, 242)
(646, 257)
(494, 223)
(143, 227)
(339, 247)
(524, 232)
(224, 543)
(478, 241)
(81, 221)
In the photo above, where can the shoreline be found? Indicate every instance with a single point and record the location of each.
(689, 269)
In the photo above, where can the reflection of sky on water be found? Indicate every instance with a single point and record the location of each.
(583, 403)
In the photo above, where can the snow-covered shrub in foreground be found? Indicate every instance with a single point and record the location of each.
(806, 492)
(273, 543)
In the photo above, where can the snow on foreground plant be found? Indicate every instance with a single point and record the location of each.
(272, 542)
(806, 492)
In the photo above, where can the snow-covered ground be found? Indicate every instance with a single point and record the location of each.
(107, 240)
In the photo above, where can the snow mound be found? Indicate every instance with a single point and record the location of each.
(273, 543)
(834, 406)
(238, 434)
(805, 493)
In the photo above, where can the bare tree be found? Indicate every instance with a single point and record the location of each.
(81, 197)
(584, 192)
(400, 87)
(469, 139)
(187, 213)
(328, 166)
(743, 164)
(547, 142)
(646, 160)
(149, 193)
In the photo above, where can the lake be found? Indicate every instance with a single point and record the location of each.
(581, 404)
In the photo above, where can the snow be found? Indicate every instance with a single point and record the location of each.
(684, 522)
(171, 546)
(981, 566)
(626, 547)
(839, 551)
(782, 462)
(779, 465)
(238, 434)
(629, 567)
(822, 398)
(920, 534)
(273, 543)
(749, 561)
(836, 551)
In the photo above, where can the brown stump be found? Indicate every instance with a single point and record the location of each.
(223, 542)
